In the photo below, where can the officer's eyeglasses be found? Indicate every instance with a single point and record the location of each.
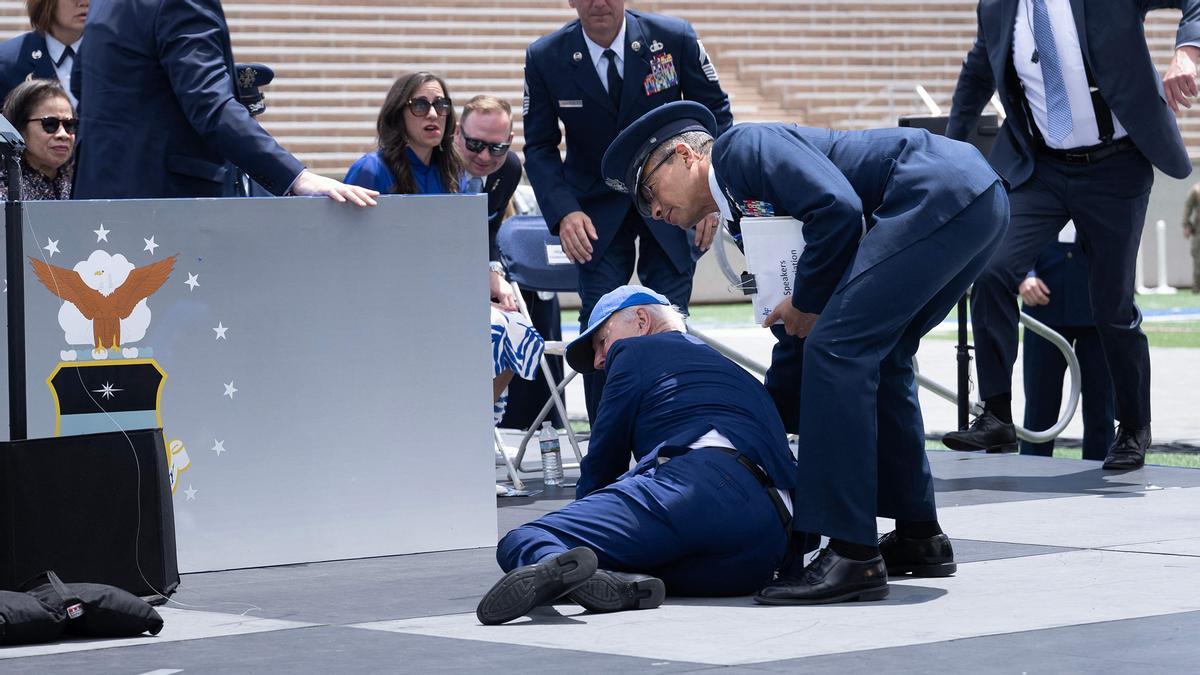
(476, 146)
(647, 193)
(420, 106)
(50, 124)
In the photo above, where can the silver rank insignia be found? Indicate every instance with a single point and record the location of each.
(37, 54)
(655, 47)
(706, 64)
(577, 57)
(616, 185)
(636, 46)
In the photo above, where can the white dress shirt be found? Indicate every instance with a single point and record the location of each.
(600, 61)
(64, 69)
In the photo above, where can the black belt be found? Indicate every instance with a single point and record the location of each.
(755, 470)
(1090, 154)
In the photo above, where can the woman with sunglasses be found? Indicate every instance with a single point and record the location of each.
(39, 109)
(416, 141)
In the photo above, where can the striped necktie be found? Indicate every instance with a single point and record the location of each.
(1058, 105)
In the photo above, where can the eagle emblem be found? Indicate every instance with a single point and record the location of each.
(103, 302)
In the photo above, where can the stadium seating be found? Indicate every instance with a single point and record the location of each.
(837, 63)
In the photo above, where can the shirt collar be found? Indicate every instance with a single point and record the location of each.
(715, 189)
(597, 52)
(56, 48)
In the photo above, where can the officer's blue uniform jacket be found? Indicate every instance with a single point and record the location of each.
(561, 87)
(159, 112)
(18, 63)
(651, 404)
(830, 179)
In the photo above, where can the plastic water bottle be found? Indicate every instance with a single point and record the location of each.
(552, 471)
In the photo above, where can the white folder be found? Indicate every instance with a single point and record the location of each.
(772, 246)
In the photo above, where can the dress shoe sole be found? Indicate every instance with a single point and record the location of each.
(606, 592)
(1122, 465)
(929, 571)
(864, 595)
(964, 446)
(527, 587)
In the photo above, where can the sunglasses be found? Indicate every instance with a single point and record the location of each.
(494, 149)
(50, 124)
(420, 106)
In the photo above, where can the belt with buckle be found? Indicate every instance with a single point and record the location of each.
(1090, 154)
(761, 476)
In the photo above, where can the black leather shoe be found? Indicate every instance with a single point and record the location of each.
(829, 578)
(928, 557)
(1128, 451)
(527, 587)
(987, 432)
(618, 591)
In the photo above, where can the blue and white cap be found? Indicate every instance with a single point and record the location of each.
(581, 356)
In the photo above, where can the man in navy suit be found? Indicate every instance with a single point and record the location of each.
(702, 510)
(1087, 119)
(897, 224)
(596, 75)
(48, 51)
(1055, 292)
(160, 113)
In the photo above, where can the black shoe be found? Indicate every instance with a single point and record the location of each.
(618, 591)
(987, 432)
(527, 587)
(928, 557)
(1128, 451)
(829, 578)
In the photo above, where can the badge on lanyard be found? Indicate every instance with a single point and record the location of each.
(662, 74)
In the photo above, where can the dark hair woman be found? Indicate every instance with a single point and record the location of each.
(48, 51)
(39, 109)
(416, 152)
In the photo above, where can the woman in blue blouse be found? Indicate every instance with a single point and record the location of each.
(416, 152)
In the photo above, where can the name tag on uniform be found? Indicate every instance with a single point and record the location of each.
(556, 256)
(573, 103)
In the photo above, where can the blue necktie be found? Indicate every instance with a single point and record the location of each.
(474, 185)
(1058, 106)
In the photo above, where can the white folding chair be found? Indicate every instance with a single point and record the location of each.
(534, 260)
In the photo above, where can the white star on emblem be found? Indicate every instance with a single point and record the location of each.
(150, 245)
(101, 234)
(192, 281)
(218, 447)
(230, 389)
(52, 247)
(190, 492)
(107, 390)
(220, 331)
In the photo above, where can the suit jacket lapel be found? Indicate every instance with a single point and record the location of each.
(586, 75)
(1008, 18)
(637, 66)
(1080, 27)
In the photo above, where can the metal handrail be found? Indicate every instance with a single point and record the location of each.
(1030, 323)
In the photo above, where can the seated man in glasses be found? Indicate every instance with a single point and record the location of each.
(483, 137)
(702, 511)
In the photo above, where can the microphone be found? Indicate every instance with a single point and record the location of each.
(1035, 58)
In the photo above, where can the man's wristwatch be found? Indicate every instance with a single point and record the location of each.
(497, 267)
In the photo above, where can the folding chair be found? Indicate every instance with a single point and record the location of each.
(535, 261)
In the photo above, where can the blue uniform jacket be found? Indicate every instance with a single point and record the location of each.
(666, 391)
(17, 63)
(1113, 42)
(560, 87)
(900, 184)
(1063, 267)
(159, 113)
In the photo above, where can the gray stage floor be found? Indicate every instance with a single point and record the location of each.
(1063, 568)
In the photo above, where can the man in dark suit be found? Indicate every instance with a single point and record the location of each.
(1056, 293)
(483, 136)
(897, 223)
(596, 75)
(702, 510)
(48, 51)
(1087, 119)
(160, 114)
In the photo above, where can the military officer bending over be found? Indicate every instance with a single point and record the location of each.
(710, 521)
(898, 223)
